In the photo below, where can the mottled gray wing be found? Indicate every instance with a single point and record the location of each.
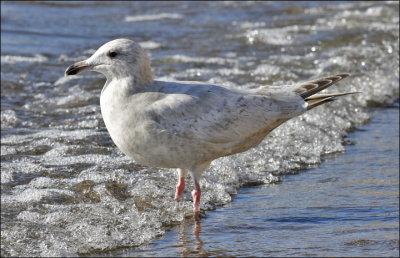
(218, 115)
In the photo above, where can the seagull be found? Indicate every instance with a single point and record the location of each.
(187, 125)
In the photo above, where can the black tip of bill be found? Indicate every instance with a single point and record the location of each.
(78, 67)
(71, 70)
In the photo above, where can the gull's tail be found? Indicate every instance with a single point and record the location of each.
(307, 90)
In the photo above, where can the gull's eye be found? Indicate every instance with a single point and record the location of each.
(112, 54)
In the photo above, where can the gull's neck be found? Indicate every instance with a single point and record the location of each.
(124, 87)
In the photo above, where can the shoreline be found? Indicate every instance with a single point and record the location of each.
(190, 237)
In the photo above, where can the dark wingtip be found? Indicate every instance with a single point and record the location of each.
(343, 75)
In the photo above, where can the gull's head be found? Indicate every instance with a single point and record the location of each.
(117, 59)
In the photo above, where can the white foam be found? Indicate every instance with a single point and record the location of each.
(208, 60)
(6, 175)
(153, 17)
(267, 70)
(38, 58)
(274, 36)
(9, 119)
(33, 195)
(149, 44)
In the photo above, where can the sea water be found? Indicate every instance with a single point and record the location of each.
(67, 190)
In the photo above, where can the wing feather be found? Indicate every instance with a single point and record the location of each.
(218, 115)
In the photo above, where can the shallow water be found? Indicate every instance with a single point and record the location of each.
(67, 190)
(347, 206)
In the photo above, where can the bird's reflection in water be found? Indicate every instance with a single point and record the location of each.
(190, 243)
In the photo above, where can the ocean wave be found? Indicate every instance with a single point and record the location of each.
(68, 190)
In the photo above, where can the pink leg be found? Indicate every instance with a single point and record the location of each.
(196, 173)
(196, 197)
(179, 188)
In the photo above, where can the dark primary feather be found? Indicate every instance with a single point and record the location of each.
(307, 90)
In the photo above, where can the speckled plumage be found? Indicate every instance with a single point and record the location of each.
(188, 125)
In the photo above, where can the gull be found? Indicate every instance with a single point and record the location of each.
(187, 125)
